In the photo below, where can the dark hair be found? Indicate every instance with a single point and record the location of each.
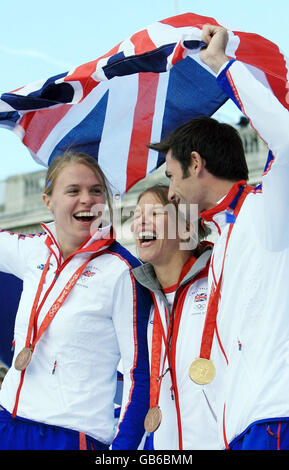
(161, 191)
(219, 144)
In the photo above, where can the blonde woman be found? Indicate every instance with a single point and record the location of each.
(81, 310)
(181, 415)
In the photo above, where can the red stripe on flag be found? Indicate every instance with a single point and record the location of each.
(39, 124)
(17, 89)
(83, 73)
(253, 49)
(265, 55)
(178, 53)
(82, 441)
(142, 42)
(142, 128)
(189, 19)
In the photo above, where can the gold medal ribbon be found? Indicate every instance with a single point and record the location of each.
(202, 370)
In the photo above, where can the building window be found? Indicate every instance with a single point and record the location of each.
(34, 184)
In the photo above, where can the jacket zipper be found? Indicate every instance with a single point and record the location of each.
(209, 405)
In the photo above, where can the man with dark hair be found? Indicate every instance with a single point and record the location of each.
(245, 342)
(206, 148)
(219, 144)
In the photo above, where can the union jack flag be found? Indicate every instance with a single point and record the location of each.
(88, 273)
(200, 297)
(138, 92)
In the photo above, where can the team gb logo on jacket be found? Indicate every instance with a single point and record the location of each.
(199, 301)
(86, 276)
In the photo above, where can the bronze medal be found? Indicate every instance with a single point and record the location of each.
(202, 371)
(23, 358)
(153, 419)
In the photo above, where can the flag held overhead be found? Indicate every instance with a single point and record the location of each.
(137, 93)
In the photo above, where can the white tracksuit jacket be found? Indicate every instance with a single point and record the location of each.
(188, 419)
(252, 380)
(71, 380)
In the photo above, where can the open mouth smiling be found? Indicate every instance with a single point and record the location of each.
(146, 238)
(84, 216)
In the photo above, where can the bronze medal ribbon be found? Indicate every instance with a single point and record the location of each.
(32, 326)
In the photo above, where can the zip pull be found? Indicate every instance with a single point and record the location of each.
(161, 376)
(57, 272)
(54, 367)
(172, 393)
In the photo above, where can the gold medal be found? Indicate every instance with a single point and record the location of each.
(153, 419)
(202, 371)
(23, 359)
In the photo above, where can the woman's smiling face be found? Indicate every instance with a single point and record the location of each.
(76, 193)
(156, 243)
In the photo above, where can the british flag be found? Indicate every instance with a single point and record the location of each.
(200, 297)
(138, 92)
(88, 273)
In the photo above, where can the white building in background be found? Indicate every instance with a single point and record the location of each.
(21, 205)
(22, 208)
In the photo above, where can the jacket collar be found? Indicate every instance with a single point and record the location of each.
(220, 215)
(91, 244)
(146, 276)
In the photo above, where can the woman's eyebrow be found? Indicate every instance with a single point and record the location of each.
(76, 185)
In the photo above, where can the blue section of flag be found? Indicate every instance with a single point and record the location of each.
(25, 103)
(193, 44)
(49, 94)
(59, 92)
(116, 58)
(187, 102)
(86, 136)
(155, 61)
(9, 120)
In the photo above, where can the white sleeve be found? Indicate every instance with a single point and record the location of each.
(271, 121)
(13, 248)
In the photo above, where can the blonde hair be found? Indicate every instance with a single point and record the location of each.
(61, 161)
(162, 193)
